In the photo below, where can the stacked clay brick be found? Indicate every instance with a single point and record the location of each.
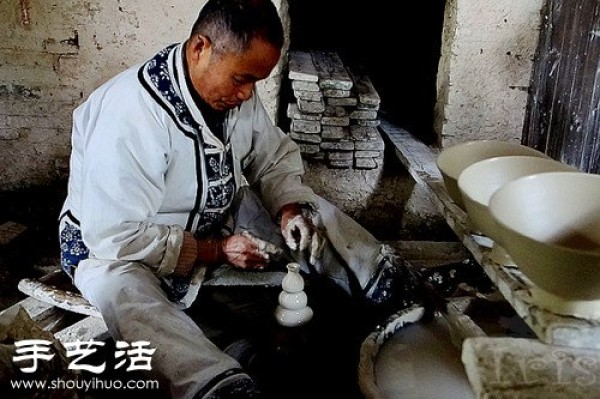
(334, 115)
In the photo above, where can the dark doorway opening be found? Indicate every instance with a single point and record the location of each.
(397, 43)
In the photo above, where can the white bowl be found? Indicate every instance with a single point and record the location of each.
(550, 226)
(452, 161)
(479, 181)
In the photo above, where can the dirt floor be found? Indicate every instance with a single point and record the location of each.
(34, 252)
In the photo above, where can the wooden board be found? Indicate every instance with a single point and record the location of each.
(562, 117)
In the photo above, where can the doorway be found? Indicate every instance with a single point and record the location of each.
(397, 44)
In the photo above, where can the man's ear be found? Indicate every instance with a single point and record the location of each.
(200, 45)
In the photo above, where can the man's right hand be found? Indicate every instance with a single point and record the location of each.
(248, 252)
(240, 250)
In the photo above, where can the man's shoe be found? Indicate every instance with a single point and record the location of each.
(395, 286)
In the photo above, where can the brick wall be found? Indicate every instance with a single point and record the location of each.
(53, 54)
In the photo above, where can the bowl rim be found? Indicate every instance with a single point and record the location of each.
(547, 175)
(506, 159)
(446, 153)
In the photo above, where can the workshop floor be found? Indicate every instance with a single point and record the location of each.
(319, 361)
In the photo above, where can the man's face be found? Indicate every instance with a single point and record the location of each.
(224, 81)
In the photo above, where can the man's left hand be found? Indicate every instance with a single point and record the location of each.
(300, 232)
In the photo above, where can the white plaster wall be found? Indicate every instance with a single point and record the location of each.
(488, 47)
(68, 48)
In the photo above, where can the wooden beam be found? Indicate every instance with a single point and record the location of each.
(67, 300)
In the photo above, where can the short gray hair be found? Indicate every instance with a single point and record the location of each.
(231, 25)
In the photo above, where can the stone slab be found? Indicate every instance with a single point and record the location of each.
(341, 145)
(363, 114)
(306, 137)
(293, 112)
(334, 132)
(342, 102)
(335, 121)
(333, 93)
(365, 163)
(37, 310)
(311, 107)
(301, 67)
(300, 85)
(508, 368)
(367, 154)
(335, 111)
(370, 145)
(308, 95)
(300, 126)
(364, 87)
(331, 70)
(369, 123)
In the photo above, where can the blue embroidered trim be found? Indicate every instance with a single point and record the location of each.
(73, 251)
(394, 284)
(158, 71)
(218, 165)
(72, 248)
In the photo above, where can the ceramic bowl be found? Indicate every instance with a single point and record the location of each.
(550, 226)
(480, 180)
(453, 160)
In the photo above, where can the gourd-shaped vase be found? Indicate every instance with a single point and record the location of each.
(292, 310)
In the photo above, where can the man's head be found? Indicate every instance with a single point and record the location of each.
(233, 44)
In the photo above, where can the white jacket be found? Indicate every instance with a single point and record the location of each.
(139, 175)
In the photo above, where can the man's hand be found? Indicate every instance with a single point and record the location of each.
(248, 252)
(299, 230)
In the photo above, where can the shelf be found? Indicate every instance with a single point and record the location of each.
(550, 328)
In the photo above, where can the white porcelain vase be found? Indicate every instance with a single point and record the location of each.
(293, 281)
(293, 310)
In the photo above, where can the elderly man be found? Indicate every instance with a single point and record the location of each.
(165, 155)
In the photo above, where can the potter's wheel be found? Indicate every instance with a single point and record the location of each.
(420, 361)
